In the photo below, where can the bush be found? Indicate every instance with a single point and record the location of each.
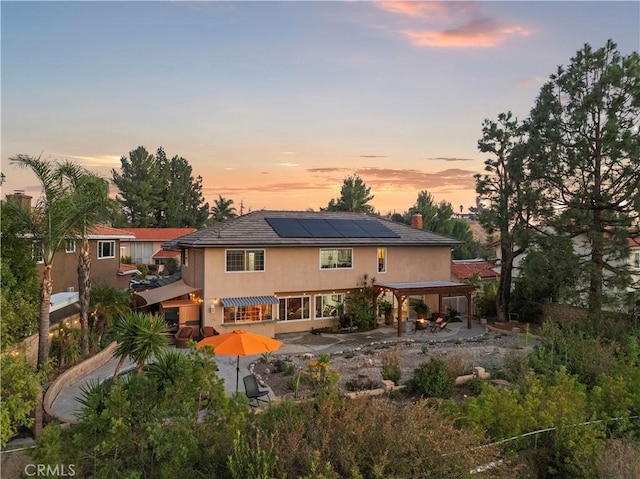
(391, 367)
(369, 437)
(432, 379)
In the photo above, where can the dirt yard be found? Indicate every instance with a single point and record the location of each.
(364, 365)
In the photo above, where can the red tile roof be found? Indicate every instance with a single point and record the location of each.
(127, 269)
(107, 231)
(159, 234)
(166, 254)
(465, 270)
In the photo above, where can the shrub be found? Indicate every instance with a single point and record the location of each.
(391, 367)
(432, 379)
(285, 367)
(369, 437)
(250, 460)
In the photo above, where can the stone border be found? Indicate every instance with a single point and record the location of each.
(71, 375)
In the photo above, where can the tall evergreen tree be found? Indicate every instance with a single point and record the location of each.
(354, 197)
(140, 184)
(586, 147)
(159, 192)
(440, 218)
(511, 199)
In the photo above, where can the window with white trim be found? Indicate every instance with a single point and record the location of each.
(36, 252)
(70, 246)
(334, 258)
(106, 249)
(636, 260)
(382, 260)
(329, 305)
(293, 308)
(244, 314)
(245, 260)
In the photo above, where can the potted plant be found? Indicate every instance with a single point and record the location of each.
(453, 315)
(422, 309)
(386, 308)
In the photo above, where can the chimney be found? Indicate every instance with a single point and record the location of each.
(20, 198)
(416, 221)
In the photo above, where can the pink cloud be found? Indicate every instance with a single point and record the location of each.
(412, 9)
(482, 32)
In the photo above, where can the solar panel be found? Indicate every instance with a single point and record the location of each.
(329, 228)
(288, 228)
(376, 229)
(350, 229)
(320, 228)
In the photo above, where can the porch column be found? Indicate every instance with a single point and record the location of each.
(400, 298)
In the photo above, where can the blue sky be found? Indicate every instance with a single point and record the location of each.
(275, 103)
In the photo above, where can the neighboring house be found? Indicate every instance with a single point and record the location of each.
(146, 245)
(277, 272)
(104, 244)
(582, 248)
(634, 260)
(465, 269)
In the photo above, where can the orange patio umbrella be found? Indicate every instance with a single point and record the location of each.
(240, 343)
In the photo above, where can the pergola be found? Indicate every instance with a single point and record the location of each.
(442, 288)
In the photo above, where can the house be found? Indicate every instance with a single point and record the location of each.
(104, 247)
(289, 271)
(465, 269)
(145, 247)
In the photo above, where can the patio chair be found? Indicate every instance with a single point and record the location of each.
(184, 335)
(207, 331)
(253, 391)
(442, 326)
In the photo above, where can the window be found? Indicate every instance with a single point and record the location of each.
(329, 305)
(336, 258)
(70, 246)
(258, 312)
(245, 260)
(106, 249)
(636, 260)
(36, 252)
(382, 260)
(294, 308)
(185, 257)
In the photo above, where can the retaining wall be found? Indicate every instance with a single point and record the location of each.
(73, 374)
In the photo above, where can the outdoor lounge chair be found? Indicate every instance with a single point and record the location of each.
(206, 331)
(184, 335)
(253, 391)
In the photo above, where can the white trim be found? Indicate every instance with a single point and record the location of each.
(99, 251)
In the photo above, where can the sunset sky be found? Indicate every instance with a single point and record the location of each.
(275, 103)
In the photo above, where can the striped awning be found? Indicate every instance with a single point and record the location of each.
(248, 301)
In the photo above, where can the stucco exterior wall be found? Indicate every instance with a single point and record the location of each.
(104, 270)
(296, 271)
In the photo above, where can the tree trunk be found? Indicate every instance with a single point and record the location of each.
(46, 286)
(504, 288)
(84, 289)
(596, 269)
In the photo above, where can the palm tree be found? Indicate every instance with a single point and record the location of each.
(140, 337)
(49, 223)
(222, 210)
(90, 206)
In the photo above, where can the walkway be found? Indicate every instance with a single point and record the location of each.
(66, 404)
